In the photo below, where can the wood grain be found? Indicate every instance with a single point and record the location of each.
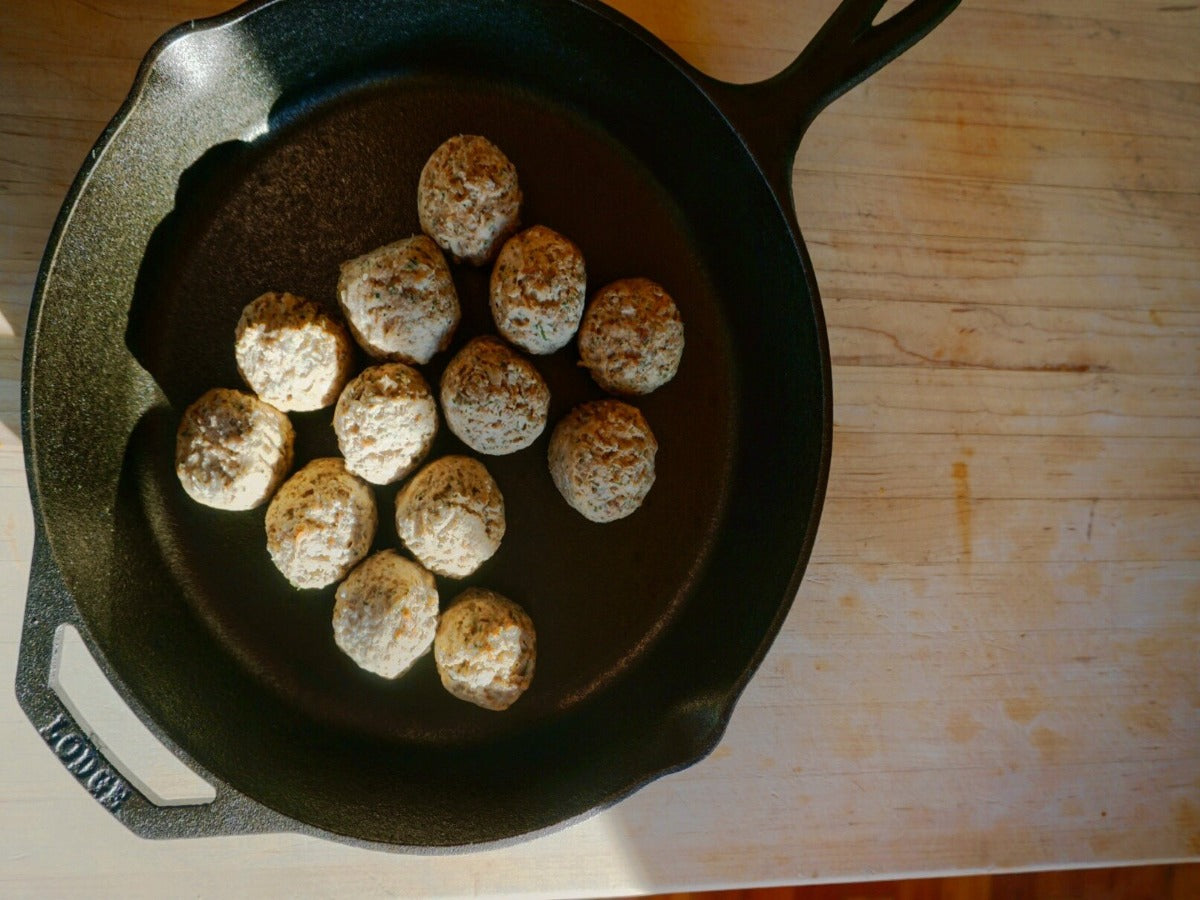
(991, 664)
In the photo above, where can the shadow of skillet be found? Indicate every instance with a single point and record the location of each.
(202, 264)
(180, 330)
(174, 334)
(185, 577)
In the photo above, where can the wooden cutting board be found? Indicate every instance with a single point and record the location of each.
(994, 660)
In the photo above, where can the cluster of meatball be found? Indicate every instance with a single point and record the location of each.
(398, 303)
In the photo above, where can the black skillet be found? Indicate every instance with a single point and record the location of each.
(256, 151)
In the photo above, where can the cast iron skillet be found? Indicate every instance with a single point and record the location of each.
(259, 149)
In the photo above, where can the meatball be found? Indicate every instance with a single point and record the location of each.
(537, 290)
(602, 459)
(632, 337)
(468, 199)
(400, 301)
(320, 524)
(485, 649)
(232, 450)
(385, 614)
(493, 398)
(291, 353)
(385, 422)
(450, 516)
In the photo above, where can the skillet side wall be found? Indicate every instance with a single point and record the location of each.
(87, 396)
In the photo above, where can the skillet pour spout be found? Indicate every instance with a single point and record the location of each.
(259, 149)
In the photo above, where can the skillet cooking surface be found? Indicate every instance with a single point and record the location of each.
(334, 177)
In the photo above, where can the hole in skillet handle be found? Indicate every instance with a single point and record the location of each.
(80, 714)
(104, 728)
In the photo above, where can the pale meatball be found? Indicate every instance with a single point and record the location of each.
(602, 459)
(468, 198)
(385, 614)
(385, 422)
(631, 339)
(232, 450)
(450, 516)
(493, 398)
(400, 301)
(291, 353)
(485, 649)
(320, 524)
(537, 290)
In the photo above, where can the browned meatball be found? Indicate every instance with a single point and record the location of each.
(320, 524)
(468, 198)
(385, 614)
(291, 353)
(485, 649)
(537, 290)
(493, 398)
(400, 300)
(631, 339)
(450, 516)
(385, 421)
(232, 450)
(602, 459)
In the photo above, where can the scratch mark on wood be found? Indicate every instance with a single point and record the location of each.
(962, 505)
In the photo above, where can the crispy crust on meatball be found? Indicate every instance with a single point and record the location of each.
(485, 649)
(493, 398)
(538, 289)
(232, 450)
(602, 459)
(631, 339)
(468, 198)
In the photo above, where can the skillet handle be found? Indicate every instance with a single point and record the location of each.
(48, 605)
(774, 114)
(45, 610)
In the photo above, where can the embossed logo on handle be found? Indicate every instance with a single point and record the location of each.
(84, 761)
